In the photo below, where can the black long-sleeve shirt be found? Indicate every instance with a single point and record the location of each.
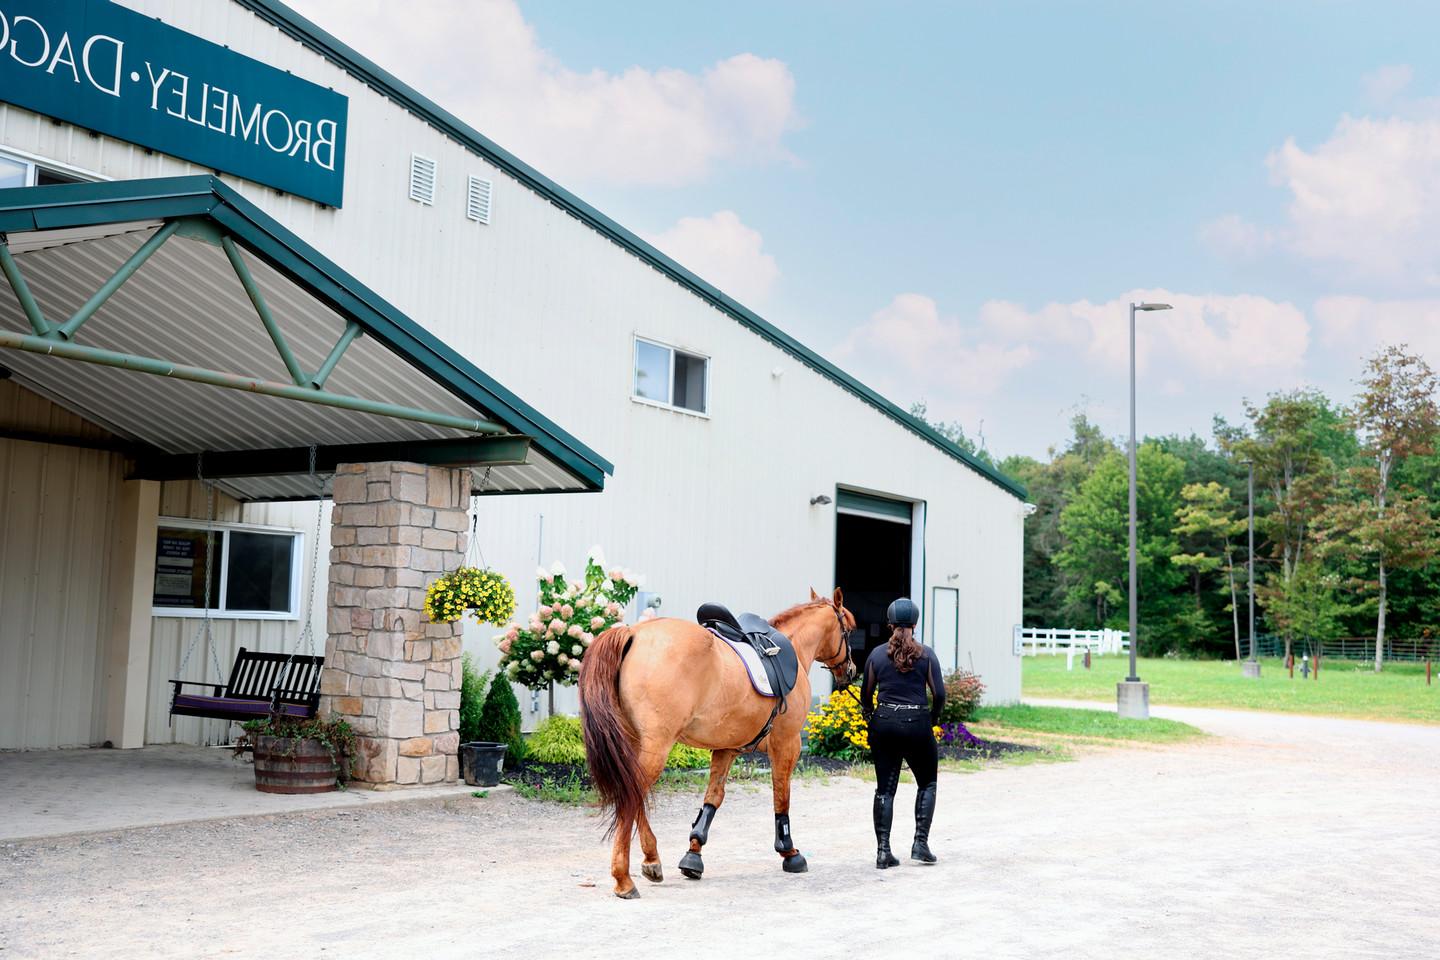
(908, 687)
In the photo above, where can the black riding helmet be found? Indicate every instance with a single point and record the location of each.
(903, 613)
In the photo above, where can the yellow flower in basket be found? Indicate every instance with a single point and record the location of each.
(484, 592)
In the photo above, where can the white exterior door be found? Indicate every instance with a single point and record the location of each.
(945, 626)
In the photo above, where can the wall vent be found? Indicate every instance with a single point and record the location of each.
(477, 200)
(422, 179)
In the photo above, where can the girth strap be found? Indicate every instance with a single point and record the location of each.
(781, 706)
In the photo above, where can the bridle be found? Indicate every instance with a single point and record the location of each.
(842, 648)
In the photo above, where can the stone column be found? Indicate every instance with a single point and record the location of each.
(390, 672)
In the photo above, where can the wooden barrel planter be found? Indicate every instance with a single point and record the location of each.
(284, 765)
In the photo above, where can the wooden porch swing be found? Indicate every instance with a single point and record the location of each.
(261, 684)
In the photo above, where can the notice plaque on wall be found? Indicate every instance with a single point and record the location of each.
(101, 66)
(179, 568)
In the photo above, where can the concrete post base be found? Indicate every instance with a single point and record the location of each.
(1250, 668)
(1132, 699)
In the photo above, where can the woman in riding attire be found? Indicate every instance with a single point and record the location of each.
(900, 727)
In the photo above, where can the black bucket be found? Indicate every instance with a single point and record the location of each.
(480, 762)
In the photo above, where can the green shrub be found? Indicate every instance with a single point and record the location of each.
(500, 719)
(963, 691)
(558, 740)
(683, 757)
(472, 699)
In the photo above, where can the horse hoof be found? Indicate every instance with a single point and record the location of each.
(795, 863)
(692, 866)
(631, 894)
(652, 872)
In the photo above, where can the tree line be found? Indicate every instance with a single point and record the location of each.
(1347, 520)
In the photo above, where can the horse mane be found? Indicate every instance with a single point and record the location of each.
(781, 619)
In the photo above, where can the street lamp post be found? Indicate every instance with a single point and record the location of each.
(1132, 697)
(1251, 667)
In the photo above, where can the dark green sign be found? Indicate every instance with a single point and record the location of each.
(101, 66)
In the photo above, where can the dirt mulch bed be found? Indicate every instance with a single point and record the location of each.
(533, 773)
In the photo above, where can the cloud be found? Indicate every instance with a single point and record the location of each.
(909, 351)
(482, 61)
(1367, 198)
(1387, 83)
(1358, 326)
(1206, 335)
(1232, 235)
(1364, 204)
(725, 252)
(1211, 349)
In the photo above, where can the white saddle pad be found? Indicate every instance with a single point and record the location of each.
(759, 679)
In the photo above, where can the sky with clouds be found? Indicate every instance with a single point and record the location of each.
(956, 201)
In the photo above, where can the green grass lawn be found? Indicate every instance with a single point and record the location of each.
(1345, 688)
(997, 722)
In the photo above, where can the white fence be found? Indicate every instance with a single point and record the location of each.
(1032, 641)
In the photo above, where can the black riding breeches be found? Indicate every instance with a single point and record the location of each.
(897, 737)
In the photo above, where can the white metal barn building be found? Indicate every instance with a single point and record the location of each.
(374, 229)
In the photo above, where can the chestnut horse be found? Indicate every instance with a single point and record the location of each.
(679, 682)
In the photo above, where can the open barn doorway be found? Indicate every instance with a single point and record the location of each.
(874, 559)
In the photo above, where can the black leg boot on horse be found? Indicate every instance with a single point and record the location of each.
(924, 816)
(794, 861)
(691, 865)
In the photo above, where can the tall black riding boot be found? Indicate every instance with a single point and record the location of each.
(924, 814)
(884, 813)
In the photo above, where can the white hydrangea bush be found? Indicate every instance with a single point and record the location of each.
(572, 612)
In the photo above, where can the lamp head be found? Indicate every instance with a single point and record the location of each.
(1153, 306)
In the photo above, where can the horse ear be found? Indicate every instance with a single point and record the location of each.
(813, 594)
(839, 598)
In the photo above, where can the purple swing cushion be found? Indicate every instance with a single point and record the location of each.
(223, 707)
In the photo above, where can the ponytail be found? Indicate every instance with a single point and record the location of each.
(903, 649)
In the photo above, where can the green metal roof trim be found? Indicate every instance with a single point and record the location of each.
(90, 204)
(350, 61)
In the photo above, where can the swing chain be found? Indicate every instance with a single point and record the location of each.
(209, 486)
(307, 631)
(473, 547)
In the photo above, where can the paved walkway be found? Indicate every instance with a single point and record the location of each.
(57, 792)
(1288, 837)
(1281, 728)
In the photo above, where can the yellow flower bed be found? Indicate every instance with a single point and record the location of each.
(838, 728)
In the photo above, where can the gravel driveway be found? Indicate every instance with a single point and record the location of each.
(1282, 837)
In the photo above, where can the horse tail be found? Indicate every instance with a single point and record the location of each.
(611, 750)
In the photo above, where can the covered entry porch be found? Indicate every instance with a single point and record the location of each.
(169, 332)
(55, 793)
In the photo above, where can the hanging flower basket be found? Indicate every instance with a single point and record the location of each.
(486, 594)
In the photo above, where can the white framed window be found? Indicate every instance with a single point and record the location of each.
(23, 170)
(254, 575)
(667, 376)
